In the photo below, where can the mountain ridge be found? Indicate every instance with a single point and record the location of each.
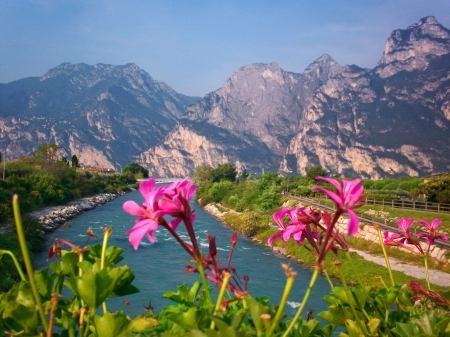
(393, 119)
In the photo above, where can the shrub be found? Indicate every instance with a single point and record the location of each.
(205, 200)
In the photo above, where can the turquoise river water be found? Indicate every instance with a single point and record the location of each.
(159, 267)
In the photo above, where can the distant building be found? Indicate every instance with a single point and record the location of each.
(98, 169)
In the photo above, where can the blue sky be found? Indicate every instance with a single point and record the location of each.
(194, 46)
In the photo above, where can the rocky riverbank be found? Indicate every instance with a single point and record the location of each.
(52, 217)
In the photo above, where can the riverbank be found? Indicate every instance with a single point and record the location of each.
(53, 217)
(437, 277)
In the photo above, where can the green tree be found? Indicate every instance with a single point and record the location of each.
(139, 171)
(315, 171)
(202, 177)
(75, 163)
(224, 172)
(219, 190)
(436, 189)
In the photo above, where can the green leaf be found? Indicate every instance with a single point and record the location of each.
(112, 255)
(117, 324)
(353, 329)
(68, 265)
(19, 309)
(184, 295)
(95, 288)
(256, 310)
(336, 314)
(373, 325)
(386, 298)
(143, 323)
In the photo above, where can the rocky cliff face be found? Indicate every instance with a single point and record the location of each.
(104, 114)
(393, 119)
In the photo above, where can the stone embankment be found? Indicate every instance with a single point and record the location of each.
(52, 217)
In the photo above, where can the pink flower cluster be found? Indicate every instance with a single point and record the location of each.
(318, 227)
(172, 200)
(401, 239)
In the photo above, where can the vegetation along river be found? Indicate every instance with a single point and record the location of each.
(159, 267)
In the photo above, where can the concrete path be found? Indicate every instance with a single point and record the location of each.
(436, 277)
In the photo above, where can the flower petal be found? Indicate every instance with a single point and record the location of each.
(353, 223)
(131, 207)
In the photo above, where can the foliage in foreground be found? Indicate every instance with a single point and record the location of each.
(90, 275)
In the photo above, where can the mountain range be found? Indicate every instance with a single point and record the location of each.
(391, 120)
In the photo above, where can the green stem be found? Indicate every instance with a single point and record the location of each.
(205, 284)
(380, 238)
(328, 278)
(427, 275)
(287, 290)
(226, 279)
(350, 301)
(106, 233)
(16, 263)
(27, 260)
(316, 273)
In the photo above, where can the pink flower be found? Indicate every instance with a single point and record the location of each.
(176, 199)
(404, 225)
(431, 235)
(147, 222)
(347, 197)
(278, 217)
(390, 240)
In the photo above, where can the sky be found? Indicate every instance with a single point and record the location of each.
(195, 46)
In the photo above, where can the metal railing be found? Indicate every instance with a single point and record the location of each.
(372, 220)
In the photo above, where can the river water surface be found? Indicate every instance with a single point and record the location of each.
(159, 267)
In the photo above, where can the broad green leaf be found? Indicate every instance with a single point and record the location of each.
(95, 288)
(184, 295)
(19, 307)
(68, 264)
(112, 256)
(386, 298)
(143, 323)
(110, 325)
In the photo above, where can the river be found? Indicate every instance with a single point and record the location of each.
(159, 267)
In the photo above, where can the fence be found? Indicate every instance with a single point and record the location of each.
(413, 205)
(423, 206)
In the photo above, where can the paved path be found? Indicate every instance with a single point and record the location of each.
(436, 277)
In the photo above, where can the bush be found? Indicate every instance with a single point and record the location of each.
(205, 200)
(219, 190)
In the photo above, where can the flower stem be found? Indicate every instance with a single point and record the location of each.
(226, 279)
(16, 263)
(106, 234)
(388, 265)
(316, 273)
(427, 275)
(27, 260)
(287, 290)
(201, 271)
(328, 278)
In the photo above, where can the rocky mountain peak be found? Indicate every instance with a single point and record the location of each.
(409, 49)
(323, 68)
